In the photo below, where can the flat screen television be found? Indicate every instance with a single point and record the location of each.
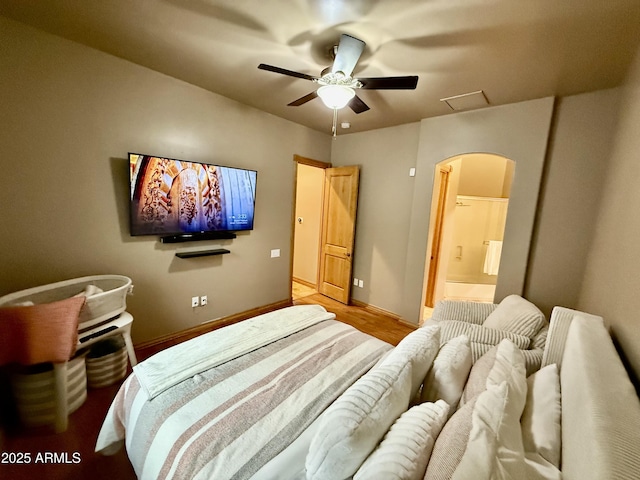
(176, 197)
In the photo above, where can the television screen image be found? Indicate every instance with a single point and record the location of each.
(170, 197)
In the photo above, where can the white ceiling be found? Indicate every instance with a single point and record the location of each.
(513, 50)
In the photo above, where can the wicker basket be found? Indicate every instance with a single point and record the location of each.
(106, 363)
(97, 308)
(34, 393)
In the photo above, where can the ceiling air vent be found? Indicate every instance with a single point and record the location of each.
(466, 101)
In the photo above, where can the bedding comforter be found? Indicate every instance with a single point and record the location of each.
(230, 420)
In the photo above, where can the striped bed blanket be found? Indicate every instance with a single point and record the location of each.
(229, 421)
(182, 361)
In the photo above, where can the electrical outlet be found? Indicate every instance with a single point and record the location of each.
(195, 301)
(203, 300)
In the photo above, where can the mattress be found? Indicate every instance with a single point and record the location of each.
(231, 420)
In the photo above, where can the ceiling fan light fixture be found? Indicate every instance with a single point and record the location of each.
(336, 96)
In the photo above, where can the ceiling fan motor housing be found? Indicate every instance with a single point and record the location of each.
(338, 78)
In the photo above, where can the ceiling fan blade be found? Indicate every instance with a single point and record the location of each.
(349, 51)
(357, 105)
(303, 100)
(284, 71)
(390, 83)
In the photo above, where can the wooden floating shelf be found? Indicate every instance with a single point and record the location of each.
(202, 253)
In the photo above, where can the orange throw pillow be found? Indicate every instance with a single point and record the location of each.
(40, 333)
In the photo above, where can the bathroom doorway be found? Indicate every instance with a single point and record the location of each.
(469, 212)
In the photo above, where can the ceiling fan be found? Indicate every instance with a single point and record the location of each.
(337, 86)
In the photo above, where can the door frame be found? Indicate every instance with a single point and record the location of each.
(298, 159)
(444, 172)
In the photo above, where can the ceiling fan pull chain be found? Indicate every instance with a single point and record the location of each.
(334, 128)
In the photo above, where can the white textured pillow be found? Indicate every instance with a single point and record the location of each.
(517, 315)
(448, 375)
(479, 334)
(354, 424)
(420, 347)
(477, 380)
(500, 363)
(404, 452)
(540, 421)
(483, 438)
(495, 446)
(451, 443)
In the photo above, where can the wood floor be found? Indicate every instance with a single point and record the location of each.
(84, 424)
(380, 326)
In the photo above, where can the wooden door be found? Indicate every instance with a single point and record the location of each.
(434, 263)
(338, 231)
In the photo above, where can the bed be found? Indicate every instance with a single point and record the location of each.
(262, 383)
(295, 395)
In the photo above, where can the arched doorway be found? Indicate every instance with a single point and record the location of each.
(468, 217)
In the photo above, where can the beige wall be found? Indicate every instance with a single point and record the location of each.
(485, 176)
(393, 212)
(577, 161)
(69, 116)
(384, 208)
(309, 188)
(612, 272)
(518, 132)
(581, 133)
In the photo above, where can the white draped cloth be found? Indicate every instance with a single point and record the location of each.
(492, 258)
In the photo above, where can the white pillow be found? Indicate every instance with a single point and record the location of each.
(509, 365)
(503, 362)
(404, 452)
(354, 424)
(482, 440)
(495, 446)
(420, 347)
(540, 420)
(517, 315)
(448, 375)
(538, 468)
